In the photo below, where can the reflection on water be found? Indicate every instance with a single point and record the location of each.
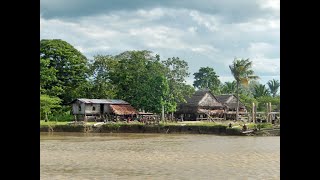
(158, 156)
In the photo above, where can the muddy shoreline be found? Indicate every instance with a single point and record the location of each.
(164, 129)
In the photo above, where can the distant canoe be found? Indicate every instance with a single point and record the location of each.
(246, 132)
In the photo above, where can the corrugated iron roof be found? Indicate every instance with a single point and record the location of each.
(102, 101)
(123, 109)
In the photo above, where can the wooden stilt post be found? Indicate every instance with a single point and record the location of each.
(85, 115)
(162, 113)
(267, 112)
(46, 117)
(270, 110)
(253, 118)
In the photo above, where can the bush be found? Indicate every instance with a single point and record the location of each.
(61, 117)
(264, 125)
(62, 114)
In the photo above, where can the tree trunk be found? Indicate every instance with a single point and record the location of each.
(237, 112)
(267, 112)
(253, 118)
(162, 113)
(46, 116)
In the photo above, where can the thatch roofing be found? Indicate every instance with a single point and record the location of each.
(199, 95)
(229, 100)
(201, 99)
(123, 109)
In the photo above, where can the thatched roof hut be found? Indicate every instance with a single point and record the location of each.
(230, 101)
(202, 102)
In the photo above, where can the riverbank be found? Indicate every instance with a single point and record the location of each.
(165, 128)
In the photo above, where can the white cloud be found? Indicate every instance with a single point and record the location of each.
(208, 21)
(262, 49)
(270, 4)
(160, 37)
(202, 40)
(154, 14)
(226, 78)
(262, 65)
(204, 49)
(258, 25)
(192, 29)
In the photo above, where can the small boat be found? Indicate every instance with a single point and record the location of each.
(246, 132)
(98, 124)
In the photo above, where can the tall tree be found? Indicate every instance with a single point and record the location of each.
(48, 79)
(176, 72)
(206, 77)
(273, 87)
(70, 65)
(139, 79)
(242, 73)
(260, 91)
(47, 103)
(100, 83)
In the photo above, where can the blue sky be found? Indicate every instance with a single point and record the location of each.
(203, 32)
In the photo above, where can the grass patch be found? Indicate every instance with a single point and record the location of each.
(51, 123)
(54, 123)
(61, 117)
(264, 125)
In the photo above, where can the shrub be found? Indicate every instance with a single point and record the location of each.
(264, 125)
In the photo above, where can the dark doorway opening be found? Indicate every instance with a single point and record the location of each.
(101, 108)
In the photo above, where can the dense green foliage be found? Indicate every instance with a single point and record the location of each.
(260, 91)
(207, 78)
(242, 72)
(47, 104)
(274, 87)
(65, 69)
(229, 87)
(138, 77)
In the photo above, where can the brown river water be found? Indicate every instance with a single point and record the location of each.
(158, 156)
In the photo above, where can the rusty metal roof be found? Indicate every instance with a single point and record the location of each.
(101, 101)
(123, 109)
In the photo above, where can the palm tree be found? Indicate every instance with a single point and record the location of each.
(242, 73)
(260, 90)
(229, 87)
(273, 86)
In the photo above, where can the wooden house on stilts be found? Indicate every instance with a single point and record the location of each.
(201, 105)
(101, 109)
(230, 102)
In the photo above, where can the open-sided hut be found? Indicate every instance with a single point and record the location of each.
(100, 109)
(230, 102)
(199, 106)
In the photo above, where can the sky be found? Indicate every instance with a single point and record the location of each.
(203, 33)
